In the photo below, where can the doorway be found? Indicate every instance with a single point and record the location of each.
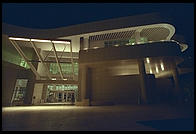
(19, 92)
(61, 94)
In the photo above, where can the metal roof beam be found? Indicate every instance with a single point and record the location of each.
(41, 59)
(25, 58)
(55, 53)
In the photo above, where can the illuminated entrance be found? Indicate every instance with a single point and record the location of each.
(55, 67)
(19, 92)
(61, 93)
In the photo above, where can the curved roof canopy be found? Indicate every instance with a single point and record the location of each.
(151, 26)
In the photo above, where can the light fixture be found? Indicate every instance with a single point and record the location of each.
(157, 70)
(22, 39)
(61, 42)
(150, 71)
(53, 78)
(147, 59)
(95, 47)
(162, 67)
(38, 40)
(64, 79)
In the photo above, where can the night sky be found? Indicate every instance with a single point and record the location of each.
(54, 15)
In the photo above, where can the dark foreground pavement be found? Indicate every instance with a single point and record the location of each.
(98, 118)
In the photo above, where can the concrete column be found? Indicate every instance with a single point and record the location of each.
(44, 92)
(37, 94)
(83, 82)
(142, 77)
(177, 89)
(79, 93)
(83, 90)
(88, 83)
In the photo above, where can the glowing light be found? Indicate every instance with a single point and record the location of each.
(150, 71)
(61, 42)
(38, 108)
(22, 39)
(148, 60)
(162, 67)
(38, 40)
(64, 79)
(116, 45)
(53, 78)
(157, 70)
(95, 47)
(85, 48)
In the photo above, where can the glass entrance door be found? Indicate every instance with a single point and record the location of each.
(61, 93)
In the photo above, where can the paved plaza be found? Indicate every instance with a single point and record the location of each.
(98, 118)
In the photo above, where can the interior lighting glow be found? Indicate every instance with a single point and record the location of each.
(38, 108)
(53, 78)
(95, 47)
(150, 71)
(148, 60)
(61, 42)
(22, 39)
(64, 79)
(38, 40)
(157, 70)
(162, 67)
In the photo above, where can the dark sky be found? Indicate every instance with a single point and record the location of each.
(53, 15)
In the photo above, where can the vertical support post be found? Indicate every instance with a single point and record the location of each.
(72, 61)
(142, 75)
(44, 92)
(83, 82)
(83, 85)
(177, 89)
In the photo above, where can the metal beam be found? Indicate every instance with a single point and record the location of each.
(57, 60)
(63, 52)
(25, 58)
(47, 55)
(72, 82)
(40, 57)
(72, 59)
(50, 61)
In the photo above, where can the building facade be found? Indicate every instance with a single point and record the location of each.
(129, 60)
